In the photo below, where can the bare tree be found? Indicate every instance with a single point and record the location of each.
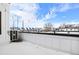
(48, 27)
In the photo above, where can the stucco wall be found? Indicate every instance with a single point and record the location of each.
(4, 8)
(62, 43)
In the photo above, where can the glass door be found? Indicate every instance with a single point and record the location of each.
(0, 23)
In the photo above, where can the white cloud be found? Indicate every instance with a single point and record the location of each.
(64, 7)
(27, 7)
(50, 15)
(26, 11)
(72, 22)
(28, 14)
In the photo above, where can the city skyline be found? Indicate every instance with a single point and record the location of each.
(38, 14)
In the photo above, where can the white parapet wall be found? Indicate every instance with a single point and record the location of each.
(61, 43)
(4, 9)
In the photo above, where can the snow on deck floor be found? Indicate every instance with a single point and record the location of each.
(27, 48)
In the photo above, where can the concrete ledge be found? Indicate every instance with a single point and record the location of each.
(56, 33)
(62, 43)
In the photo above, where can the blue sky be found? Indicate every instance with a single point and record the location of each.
(38, 14)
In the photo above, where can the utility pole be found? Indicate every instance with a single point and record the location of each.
(17, 22)
(13, 22)
(23, 24)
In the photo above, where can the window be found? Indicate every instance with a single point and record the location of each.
(0, 23)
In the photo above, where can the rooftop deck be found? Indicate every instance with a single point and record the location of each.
(38, 44)
(27, 48)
